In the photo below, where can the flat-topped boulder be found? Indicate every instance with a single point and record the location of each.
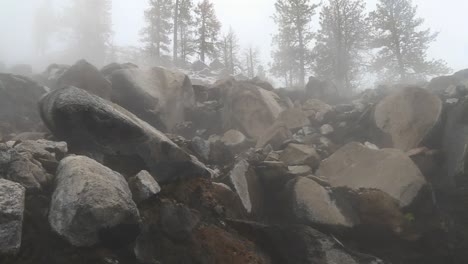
(391, 171)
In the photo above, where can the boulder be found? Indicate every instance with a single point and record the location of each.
(407, 117)
(12, 196)
(31, 163)
(201, 148)
(310, 203)
(300, 244)
(316, 109)
(22, 69)
(158, 96)
(90, 124)
(198, 65)
(52, 74)
(248, 108)
(391, 171)
(234, 139)
(298, 154)
(178, 221)
(110, 68)
(18, 104)
(247, 185)
(275, 136)
(143, 186)
(91, 204)
(454, 143)
(87, 77)
(294, 118)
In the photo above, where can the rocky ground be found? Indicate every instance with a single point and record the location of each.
(127, 165)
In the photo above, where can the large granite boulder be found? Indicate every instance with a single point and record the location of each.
(158, 96)
(87, 77)
(18, 104)
(12, 197)
(248, 108)
(407, 117)
(90, 124)
(391, 171)
(92, 203)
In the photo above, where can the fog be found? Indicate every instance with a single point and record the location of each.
(251, 20)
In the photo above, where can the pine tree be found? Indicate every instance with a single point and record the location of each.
(186, 42)
(208, 27)
(251, 61)
(293, 18)
(230, 50)
(90, 22)
(341, 40)
(402, 44)
(44, 26)
(159, 25)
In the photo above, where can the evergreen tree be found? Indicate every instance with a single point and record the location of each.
(293, 19)
(251, 61)
(90, 22)
(186, 42)
(208, 27)
(159, 24)
(230, 50)
(340, 42)
(402, 44)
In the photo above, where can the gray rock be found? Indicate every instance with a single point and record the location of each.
(298, 154)
(294, 118)
(246, 184)
(326, 129)
(31, 163)
(389, 170)
(18, 104)
(313, 204)
(143, 186)
(87, 77)
(406, 117)
(248, 108)
(234, 139)
(201, 147)
(91, 204)
(89, 123)
(12, 197)
(274, 136)
(303, 170)
(158, 96)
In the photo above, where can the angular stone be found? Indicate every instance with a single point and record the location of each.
(248, 108)
(91, 204)
(246, 184)
(143, 186)
(158, 96)
(407, 116)
(389, 170)
(298, 154)
(12, 197)
(311, 203)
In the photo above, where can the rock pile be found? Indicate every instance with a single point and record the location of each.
(148, 166)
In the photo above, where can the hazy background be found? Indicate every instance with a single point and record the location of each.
(250, 19)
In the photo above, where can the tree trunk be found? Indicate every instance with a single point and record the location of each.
(176, 29)
(301, 58)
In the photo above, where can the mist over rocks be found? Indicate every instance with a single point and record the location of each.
(174, 172)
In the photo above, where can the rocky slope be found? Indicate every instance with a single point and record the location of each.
(130, 165)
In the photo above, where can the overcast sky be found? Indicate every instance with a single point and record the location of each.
(250, 19)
